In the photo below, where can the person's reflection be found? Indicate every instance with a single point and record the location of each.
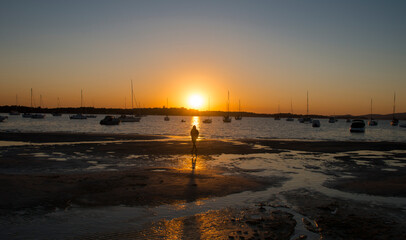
(194, 159)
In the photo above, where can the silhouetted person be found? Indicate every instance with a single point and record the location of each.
(194, 133)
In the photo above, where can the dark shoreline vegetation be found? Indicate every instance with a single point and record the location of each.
(182, 112)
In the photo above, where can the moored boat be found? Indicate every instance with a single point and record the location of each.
(110, 120)
(357, 125)
(315, 123)
(207, 120)
(227, 118)
(371, 121)
(38, 116)
(2, 118)
(332, 120)
(125, 118)
(78, 116)
(14, 113)
(394, 121)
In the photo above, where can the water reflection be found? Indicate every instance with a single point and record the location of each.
(195, 121)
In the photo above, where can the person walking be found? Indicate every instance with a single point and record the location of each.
(194, 133)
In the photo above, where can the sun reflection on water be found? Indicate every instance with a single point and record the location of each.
(196, 121)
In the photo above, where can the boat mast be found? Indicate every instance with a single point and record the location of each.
(81, 98)
(209, 106)
(291, 106)
(132, 95)
(58, 101)
(371, 110)
(31, 98)
(307, 112)
(228, 104)
(239, 106)
(394, 105)
(40, 101)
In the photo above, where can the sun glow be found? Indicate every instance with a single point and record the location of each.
(195, 101)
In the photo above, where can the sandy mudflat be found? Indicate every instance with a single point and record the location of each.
(289, 189)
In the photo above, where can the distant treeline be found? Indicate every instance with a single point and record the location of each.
(175, 112)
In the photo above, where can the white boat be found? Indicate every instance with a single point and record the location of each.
(357, 125)
(208, 120)
(110, 120)
(315, 123)
(91, 116)
(2, 118)
(129, 118)
(394, 121)
(371, 121)
(166, 118)
(78, 116)
(227, 118)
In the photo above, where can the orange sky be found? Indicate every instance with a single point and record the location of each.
(265, 54)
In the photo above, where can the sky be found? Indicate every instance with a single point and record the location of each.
(267, 54)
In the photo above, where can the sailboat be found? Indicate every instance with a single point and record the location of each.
(290, 119)
(28, 115)
(79, 116)
(166, 118)
(306, 119)
(227, 118)
(208, 120)
(125, 118)
(15, 112)
(38, 115)
(239, 116)
(394, 121)
(371, 121)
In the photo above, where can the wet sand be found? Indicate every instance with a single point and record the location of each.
(151, 171)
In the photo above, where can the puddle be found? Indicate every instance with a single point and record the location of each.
(395, 163)
(58, 153)
(58, 159)
(389, 169)
(40, 154)
(159, 170)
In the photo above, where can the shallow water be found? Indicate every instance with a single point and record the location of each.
(246, 128)
(303, 170)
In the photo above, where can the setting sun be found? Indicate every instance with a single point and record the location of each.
(195, 101)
